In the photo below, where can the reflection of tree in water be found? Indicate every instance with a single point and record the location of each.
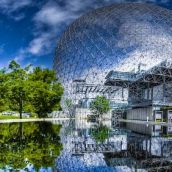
(39, 143)
(100, 133)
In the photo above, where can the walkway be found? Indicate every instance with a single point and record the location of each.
(145, 122)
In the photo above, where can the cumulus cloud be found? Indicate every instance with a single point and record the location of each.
(21, 55)
(52, 15)
(13, 5)
(39, 43)
(9, 7)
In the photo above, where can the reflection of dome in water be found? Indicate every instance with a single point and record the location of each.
(117, 37)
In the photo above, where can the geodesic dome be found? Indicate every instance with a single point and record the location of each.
(117, 37)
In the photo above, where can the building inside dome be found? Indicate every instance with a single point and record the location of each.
(122, 52)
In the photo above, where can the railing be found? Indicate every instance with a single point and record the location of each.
(123, 75)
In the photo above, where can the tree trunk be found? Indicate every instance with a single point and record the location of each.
(20, 135)
(21, 109)
(20, 114)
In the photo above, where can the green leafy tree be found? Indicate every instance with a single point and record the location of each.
(3, 70)
(3, 91)
(100, 105)
(17, 84)
(14, 65)
(100, 133)
(45, 75)
(36, 91)
(45, 91)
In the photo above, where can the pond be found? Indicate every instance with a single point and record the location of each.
(81, 146)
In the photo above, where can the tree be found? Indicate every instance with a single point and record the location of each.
(45, 91)
(17, 84)
(37, 91)
(100, 133)
(3, 70)
(14, 65)
(3, 91)
(45, 75)
(100, 106)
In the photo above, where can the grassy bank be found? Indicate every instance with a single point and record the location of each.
(8, 117)
(13, 117)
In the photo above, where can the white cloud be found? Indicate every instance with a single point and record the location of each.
(18, 17)
(52, 15)
(21, 55)
(40, 44)
(9, 7)
(56, 17)
(13, 5)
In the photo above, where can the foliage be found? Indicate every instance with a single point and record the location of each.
(14, 65)
(17, 87)
(45, 97)
(3, 91)
(23, 89)
(100, 133)
(45, 75)
(3, 105)
(3, 70)
(100, 105)
(39, 143)
(46, 91)
(166, 108)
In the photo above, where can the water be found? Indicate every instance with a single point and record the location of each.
(81, 146)
(29, 146)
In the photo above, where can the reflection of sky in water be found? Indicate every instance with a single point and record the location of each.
(115, 37)
(71, 161)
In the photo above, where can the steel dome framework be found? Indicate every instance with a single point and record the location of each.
(97, 41)
(122, 38)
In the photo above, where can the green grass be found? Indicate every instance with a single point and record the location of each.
(13, 117)
(158, 120)
(167, 135)
(8, 117)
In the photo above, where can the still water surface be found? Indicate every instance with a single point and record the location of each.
(80, 146)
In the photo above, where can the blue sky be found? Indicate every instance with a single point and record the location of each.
(30, 29)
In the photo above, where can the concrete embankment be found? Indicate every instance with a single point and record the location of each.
(145, 122)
